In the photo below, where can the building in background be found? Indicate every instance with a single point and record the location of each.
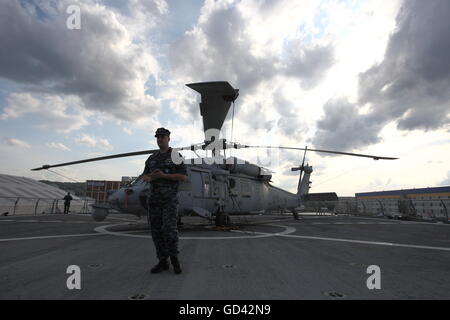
(100, 189)
(321, 202)
(425, 203)
(346, 205)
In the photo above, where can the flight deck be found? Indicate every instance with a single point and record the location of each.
(260, 257)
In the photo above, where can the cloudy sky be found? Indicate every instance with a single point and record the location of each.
(363, 76)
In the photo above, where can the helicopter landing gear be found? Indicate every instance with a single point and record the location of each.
(179, 222)
(222, 219)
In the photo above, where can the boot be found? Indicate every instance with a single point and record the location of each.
(175, 264)
(161, 266)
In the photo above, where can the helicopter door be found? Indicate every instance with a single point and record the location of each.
(208, 191)
(197, 184)
(202, 190)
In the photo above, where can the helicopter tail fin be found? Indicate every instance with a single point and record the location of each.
(304, 182)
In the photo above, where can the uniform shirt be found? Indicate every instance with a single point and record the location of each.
(67, 199)
(163, 162)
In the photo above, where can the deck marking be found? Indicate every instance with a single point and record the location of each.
(254, 235)
(53, 237)
(405, 222)
(367, 242)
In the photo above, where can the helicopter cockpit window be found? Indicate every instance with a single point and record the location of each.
(136, 180)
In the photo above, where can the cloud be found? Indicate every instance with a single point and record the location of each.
(344, 128)
(411, 84)
(290, 122)
(254, 113)
(104, 144)
(308, 63)
(127, 131)
(245, 43)
(54, 112)
(105, 63)
(446, 181)
(90, 141)
(12, 142)
(57, 145)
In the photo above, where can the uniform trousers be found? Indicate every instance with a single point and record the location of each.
(162, 213)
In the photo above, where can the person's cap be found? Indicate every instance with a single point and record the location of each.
(162, 132)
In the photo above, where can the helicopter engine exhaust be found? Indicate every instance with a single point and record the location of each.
(99, 213)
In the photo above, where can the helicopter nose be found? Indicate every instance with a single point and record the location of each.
(112, 195)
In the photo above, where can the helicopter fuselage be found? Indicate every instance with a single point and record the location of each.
(212, 189)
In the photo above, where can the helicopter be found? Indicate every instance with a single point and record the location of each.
(217, 187)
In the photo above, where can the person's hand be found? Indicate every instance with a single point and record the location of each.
(147, 178)
(157, 174)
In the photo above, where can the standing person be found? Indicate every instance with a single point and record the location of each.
(164, 176)
(67, 200)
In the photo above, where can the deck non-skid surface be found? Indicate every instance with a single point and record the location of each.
(267, 257)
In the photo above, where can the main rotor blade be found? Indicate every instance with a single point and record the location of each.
(121, 155)
(325, 151)
(233, 145)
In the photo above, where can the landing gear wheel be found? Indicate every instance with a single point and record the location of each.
(222, 220)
